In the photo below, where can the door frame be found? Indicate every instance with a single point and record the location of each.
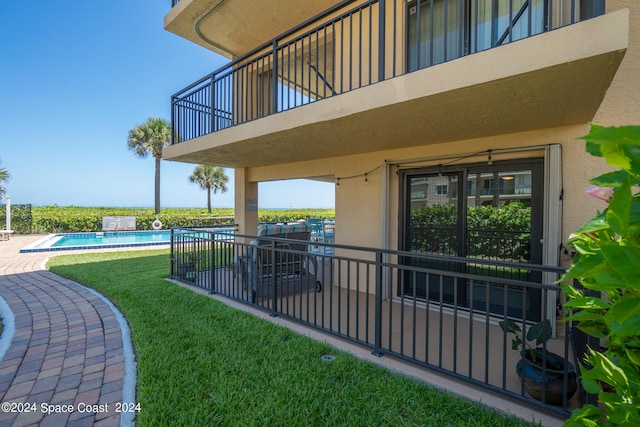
(538, 189)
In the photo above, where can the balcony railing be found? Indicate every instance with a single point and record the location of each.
(174, 2)
(349, 47)
(440, 313)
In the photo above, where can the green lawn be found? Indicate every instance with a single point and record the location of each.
(203, 363)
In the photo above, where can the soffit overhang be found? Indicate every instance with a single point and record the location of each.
(235, 27)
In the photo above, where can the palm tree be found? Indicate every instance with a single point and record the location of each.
(210, 178)
(150, 138)
(4, 178)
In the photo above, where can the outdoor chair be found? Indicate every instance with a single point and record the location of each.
(322, 231)
(279, 266)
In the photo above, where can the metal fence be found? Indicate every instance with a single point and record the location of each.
(395, 303)
(352, 45)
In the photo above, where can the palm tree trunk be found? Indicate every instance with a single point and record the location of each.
(209, 199)
(157, 204)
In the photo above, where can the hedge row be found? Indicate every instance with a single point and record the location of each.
(53, 219)
(21, 218)
(499, 233)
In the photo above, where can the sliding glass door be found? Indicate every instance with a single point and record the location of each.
(442, 30)
(483, 212)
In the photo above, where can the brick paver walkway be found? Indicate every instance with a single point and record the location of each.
(65, 364)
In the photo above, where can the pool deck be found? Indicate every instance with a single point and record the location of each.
(62, 344)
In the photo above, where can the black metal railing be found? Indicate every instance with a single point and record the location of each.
(174, 2)
(438, 312)
(348, 47)
(192, 250)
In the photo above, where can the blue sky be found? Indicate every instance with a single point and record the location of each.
(75, 77)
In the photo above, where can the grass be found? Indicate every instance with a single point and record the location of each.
(200, 362)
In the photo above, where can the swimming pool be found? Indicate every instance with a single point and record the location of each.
(119, 239)
(104, 240)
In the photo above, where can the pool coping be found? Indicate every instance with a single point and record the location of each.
(52, 238)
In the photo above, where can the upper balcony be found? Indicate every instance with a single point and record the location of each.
(389, 74)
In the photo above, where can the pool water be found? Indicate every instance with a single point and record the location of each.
(89, 239)
(112, 239)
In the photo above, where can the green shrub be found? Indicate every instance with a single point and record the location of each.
(607, 260)
(503, 233)
(21, 220)
(76, 219)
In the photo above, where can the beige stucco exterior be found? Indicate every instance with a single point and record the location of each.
(526, 100)
(538, 91)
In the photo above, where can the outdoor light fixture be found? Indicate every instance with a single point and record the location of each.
(489, 160)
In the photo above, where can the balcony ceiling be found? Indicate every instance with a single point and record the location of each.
(554, 79)
(235, 27)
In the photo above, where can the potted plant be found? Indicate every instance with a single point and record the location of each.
(187, 266)
(540, 368)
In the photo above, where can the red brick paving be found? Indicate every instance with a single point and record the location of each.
(67, 348)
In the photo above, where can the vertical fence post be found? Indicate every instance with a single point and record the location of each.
(173, 125)
(381, 39)
(377, 351)
(212, 262)
(274, 77)
(274, 282)
(171, 253)
(213, 104)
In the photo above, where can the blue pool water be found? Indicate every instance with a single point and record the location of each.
(71, 241)
(112, 239)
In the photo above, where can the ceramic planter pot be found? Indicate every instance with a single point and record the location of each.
(551, 378)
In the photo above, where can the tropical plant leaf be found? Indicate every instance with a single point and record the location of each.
(540, 332)
(584, 315)
(589, 303)
(584, 266)
(611, 179)
(624, 135)
(619, 211)
(624, 318)
(570, 291)
(587, 416)
(596, 329)
(635, 210)
(590, 385)
(596, 224)
(509, 326)
(605, 370)
(620, 146)
(633, 356)
(624, 260)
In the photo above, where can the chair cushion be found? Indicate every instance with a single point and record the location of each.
(292, 227)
